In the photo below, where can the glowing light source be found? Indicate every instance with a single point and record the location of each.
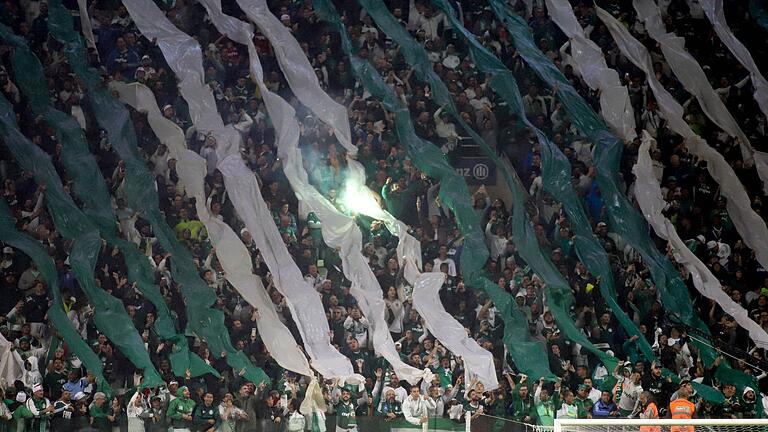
(360, 200)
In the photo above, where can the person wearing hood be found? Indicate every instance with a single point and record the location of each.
(206, 416)
(40, 408)
(180, 411)
(32, 373)
(748, 405)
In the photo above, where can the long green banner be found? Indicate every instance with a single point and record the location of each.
(527, 352)
(109, 314)
(90, 188)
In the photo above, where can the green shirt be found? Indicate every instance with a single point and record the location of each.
(178, 408)
(345, 415)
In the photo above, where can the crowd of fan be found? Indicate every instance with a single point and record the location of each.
(61, 395)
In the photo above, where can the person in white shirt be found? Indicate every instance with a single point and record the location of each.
(443, 258)
(416, 407)
(295, 420)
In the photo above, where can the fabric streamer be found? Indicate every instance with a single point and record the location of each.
(556, 176)
(714, 11)
(650, 198)
(720, 170)
(339, 230)
(738, 203)
(557, 180)
(109, 314)
(303, 81)
(230, 250)
(454, 192)
(140, 193)
(589, 62)
(10, 364)
(416, 57)
(244, 191)
(693, 78)
(85, 23)
(90, 188)
(628, 223)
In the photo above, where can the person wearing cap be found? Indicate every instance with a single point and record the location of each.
(657, 385)
(41, 410)
(583, 402)
(344, 406)
(180, 411)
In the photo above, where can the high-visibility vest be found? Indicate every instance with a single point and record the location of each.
(682, 409)
(650, 412)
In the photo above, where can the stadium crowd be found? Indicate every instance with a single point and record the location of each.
(59, 394)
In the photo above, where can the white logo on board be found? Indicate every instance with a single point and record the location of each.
(480, 171)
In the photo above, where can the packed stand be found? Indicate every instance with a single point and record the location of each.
(55, 392)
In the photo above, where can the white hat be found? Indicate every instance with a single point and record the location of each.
(711, 244)
(78, 396)
(37, 387)
(284, 17)
(8, 250)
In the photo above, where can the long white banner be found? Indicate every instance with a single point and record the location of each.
(184, 56)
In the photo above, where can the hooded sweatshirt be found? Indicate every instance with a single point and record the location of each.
(748, 407)
(180, 407)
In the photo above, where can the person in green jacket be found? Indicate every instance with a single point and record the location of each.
(522, 408)
(100, 413)
(206, 415)
(546, 407)
(583, 402)
(180, 411)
